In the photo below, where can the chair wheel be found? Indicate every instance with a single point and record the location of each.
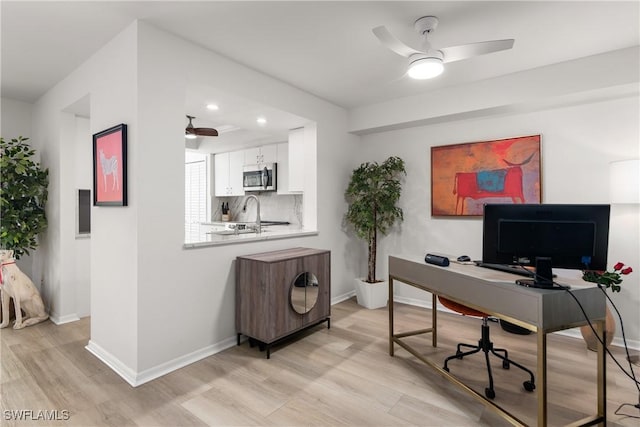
(529, 386)
(505, 364)
(489, 393)
(458, 354)
(445, 369)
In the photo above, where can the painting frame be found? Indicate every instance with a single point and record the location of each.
(466, 176)
(110, 166)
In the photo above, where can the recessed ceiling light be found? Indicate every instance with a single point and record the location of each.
(213, 107)
(261, 121)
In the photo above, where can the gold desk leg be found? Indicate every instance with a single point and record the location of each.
(434, 321)
(542, 379)
(390, 308)
(602, 372)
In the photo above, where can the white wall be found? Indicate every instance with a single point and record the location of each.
(15, 118)
(83, 162)
(578, 142)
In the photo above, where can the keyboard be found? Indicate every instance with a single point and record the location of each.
(513, 269)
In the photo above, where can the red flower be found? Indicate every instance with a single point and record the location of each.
(607, 279)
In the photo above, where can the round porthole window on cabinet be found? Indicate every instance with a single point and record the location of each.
(304, 292)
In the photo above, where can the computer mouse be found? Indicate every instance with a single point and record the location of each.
(463, 258)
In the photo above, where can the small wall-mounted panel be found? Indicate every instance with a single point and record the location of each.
(83, 213)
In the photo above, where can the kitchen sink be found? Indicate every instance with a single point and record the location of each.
(245, 227)
(232, 232)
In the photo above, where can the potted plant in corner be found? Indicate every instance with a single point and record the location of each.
(372, 194)
(23, 196)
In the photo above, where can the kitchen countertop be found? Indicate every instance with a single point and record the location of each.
(269, 232)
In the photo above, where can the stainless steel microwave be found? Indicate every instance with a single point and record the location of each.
(260, 177)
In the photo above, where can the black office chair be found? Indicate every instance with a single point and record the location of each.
(485, 345)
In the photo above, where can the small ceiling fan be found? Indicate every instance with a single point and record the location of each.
(191, 132)
(428, 62)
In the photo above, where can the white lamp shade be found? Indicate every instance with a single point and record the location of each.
(624, 181)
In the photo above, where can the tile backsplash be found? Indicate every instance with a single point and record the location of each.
(273, 207)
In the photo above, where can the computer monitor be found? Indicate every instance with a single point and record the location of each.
(546, 236)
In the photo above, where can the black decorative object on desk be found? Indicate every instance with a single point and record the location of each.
(442, 261)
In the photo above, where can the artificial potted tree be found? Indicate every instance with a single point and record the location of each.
(372, 194)
(23, 195)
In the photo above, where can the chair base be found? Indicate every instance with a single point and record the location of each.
(485, 345)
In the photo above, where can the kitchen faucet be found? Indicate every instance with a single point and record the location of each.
(244, 209)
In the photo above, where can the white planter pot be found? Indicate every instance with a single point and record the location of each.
(372, 295)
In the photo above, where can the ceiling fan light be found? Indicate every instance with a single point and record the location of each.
(190, 135)
(425, 68)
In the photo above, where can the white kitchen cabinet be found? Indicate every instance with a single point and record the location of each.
(296, 160)
(283, 169)
(228, 174)
(260, 155)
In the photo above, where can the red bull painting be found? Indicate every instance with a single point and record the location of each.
(466, 176)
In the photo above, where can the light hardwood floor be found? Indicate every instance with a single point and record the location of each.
(340, 376)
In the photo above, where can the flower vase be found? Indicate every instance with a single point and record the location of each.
(590, 338)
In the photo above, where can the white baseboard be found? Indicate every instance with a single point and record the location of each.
(182, 361)
(617, 342)
(138, 378)
(60, 320)
(337, 299)
(413, 301)
(112, 362)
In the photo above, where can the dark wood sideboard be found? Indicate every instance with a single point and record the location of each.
(282, 292)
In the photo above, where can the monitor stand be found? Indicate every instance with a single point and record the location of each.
(543, 277)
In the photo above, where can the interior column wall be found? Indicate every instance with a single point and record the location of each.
(198, 285)
(109, 76)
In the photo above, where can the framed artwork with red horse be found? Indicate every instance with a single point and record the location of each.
(466, 176)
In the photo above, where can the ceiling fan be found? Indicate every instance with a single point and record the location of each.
(191, 132)
(428, 62)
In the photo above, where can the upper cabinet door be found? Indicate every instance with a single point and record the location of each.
(228, 174)
(269, 153)
(252, 156)
(236, 166)
(283, 169)
(260, 155)
(296, 160)
(221, 174)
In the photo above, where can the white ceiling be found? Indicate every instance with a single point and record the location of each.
(324, 48)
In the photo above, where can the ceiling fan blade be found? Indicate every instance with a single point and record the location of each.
(456, 53)
(205, 131)
(390, 41)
